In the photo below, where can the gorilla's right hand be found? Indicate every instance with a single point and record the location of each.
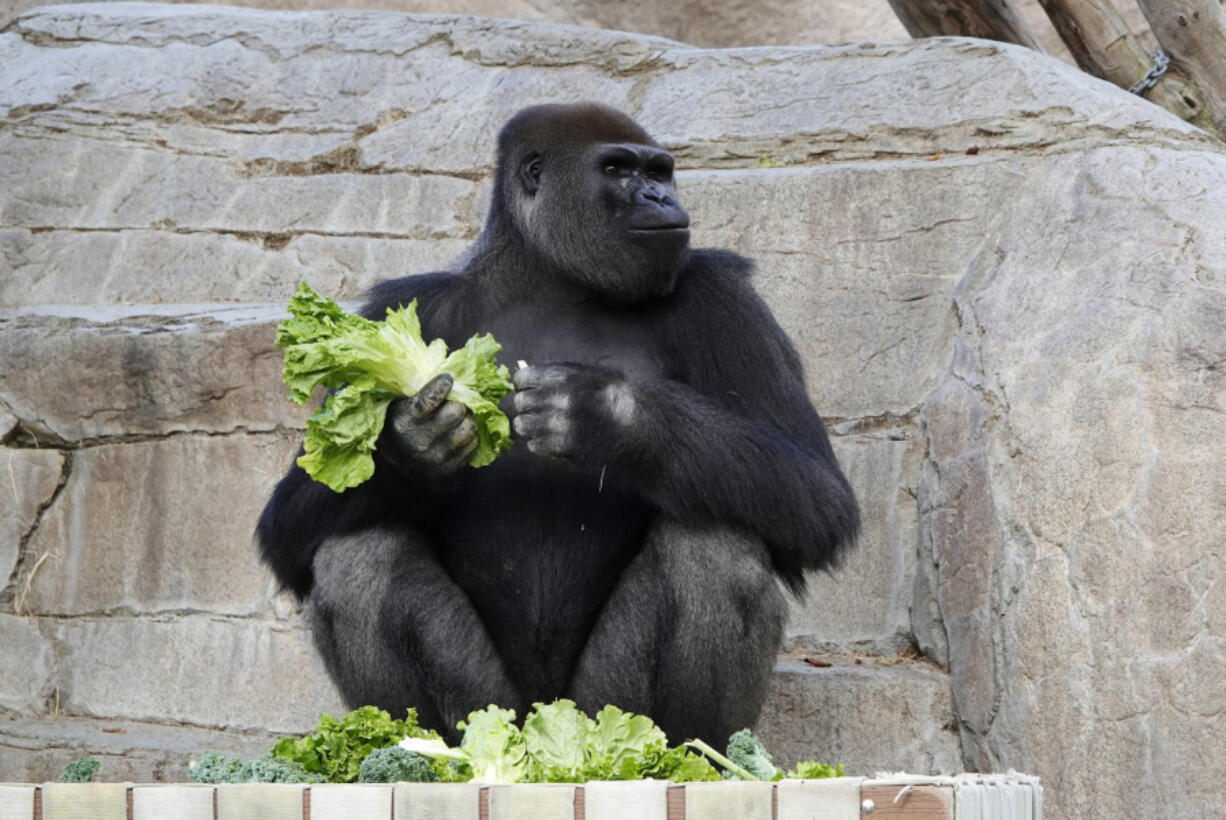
(426, 435)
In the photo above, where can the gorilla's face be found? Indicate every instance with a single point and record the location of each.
(608, 217)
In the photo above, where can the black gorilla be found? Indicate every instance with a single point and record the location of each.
(670, 471)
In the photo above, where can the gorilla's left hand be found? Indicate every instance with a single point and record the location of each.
(576, 412)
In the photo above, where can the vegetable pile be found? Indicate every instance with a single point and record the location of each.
(368, 364)
(556, 743)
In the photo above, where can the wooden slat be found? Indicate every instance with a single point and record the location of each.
(919, 803)
(85, 801)
(17, 800)
(676, 803)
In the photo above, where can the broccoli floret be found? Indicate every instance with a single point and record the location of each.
(214, 767)
(393, 764)
(80, 771)
(273, 769)
(745, 750)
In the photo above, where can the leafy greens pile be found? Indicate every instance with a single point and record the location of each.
(368, 364)
(337, 747)
(560, 744)
(557, 743)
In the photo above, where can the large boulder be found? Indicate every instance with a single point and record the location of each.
(1005, 278)
(709, 23)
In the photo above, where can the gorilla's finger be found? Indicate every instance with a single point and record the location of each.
(431, 395)
(443, 450)
(534, 401)
(463, 433)
(537, 425)
(527, 401)
(554, 446)
(542, 375)
(460, 458)
(525, 424)
(446, 419)
(527, 378)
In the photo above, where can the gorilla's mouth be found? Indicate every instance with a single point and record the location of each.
(658, 230)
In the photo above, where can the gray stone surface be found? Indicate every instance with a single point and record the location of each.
(144, 371)
(1005, 279)
(198, 670)
(160, 526)
(1071, 502)
(366, 164)
(28, 481)
(26, 672)
(708, 23)
(8, 422)
(870, 717)
(864, 604)
(36, 751)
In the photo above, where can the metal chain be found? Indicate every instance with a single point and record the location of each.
(1161, 64)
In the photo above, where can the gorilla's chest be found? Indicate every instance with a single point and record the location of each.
(624, 341)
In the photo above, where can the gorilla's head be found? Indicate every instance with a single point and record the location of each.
(593, 195)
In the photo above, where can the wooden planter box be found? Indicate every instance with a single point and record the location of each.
(966, 797)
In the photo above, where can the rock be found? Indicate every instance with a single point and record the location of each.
(868, 717)
(8, 422)
(863, 605)
(151, 370)
(191, 669)
(233, 190)
(36, 751)
(705, 23)
(29, 479)
(160, 526)
(25, 675)
(1068, 505)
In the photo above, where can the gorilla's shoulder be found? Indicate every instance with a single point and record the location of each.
(430, 288)
(713, 274)
(716, 262)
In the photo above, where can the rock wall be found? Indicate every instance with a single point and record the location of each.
(708, 23)
(1005, 279)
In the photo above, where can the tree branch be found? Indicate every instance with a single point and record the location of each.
(1193, 34)
(989, 19)
(1102, 44)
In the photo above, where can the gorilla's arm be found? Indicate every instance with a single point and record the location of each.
(302, 513)
(728, 435)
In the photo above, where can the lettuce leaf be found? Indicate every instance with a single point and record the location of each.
(368, 364)
(556, 736)
(496, 749)
(812, 770)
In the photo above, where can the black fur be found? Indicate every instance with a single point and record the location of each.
(670, 470)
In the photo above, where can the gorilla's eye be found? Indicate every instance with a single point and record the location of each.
(616, 169)
(660, 171)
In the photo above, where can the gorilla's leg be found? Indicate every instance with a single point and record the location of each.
(689, 635)
(395, 631)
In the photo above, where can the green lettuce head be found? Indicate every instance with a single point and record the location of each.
(369, 364)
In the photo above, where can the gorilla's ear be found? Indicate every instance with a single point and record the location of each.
(530, 173)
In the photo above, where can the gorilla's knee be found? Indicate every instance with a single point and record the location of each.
(722, 573)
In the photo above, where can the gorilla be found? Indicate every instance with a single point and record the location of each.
(670, 482)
